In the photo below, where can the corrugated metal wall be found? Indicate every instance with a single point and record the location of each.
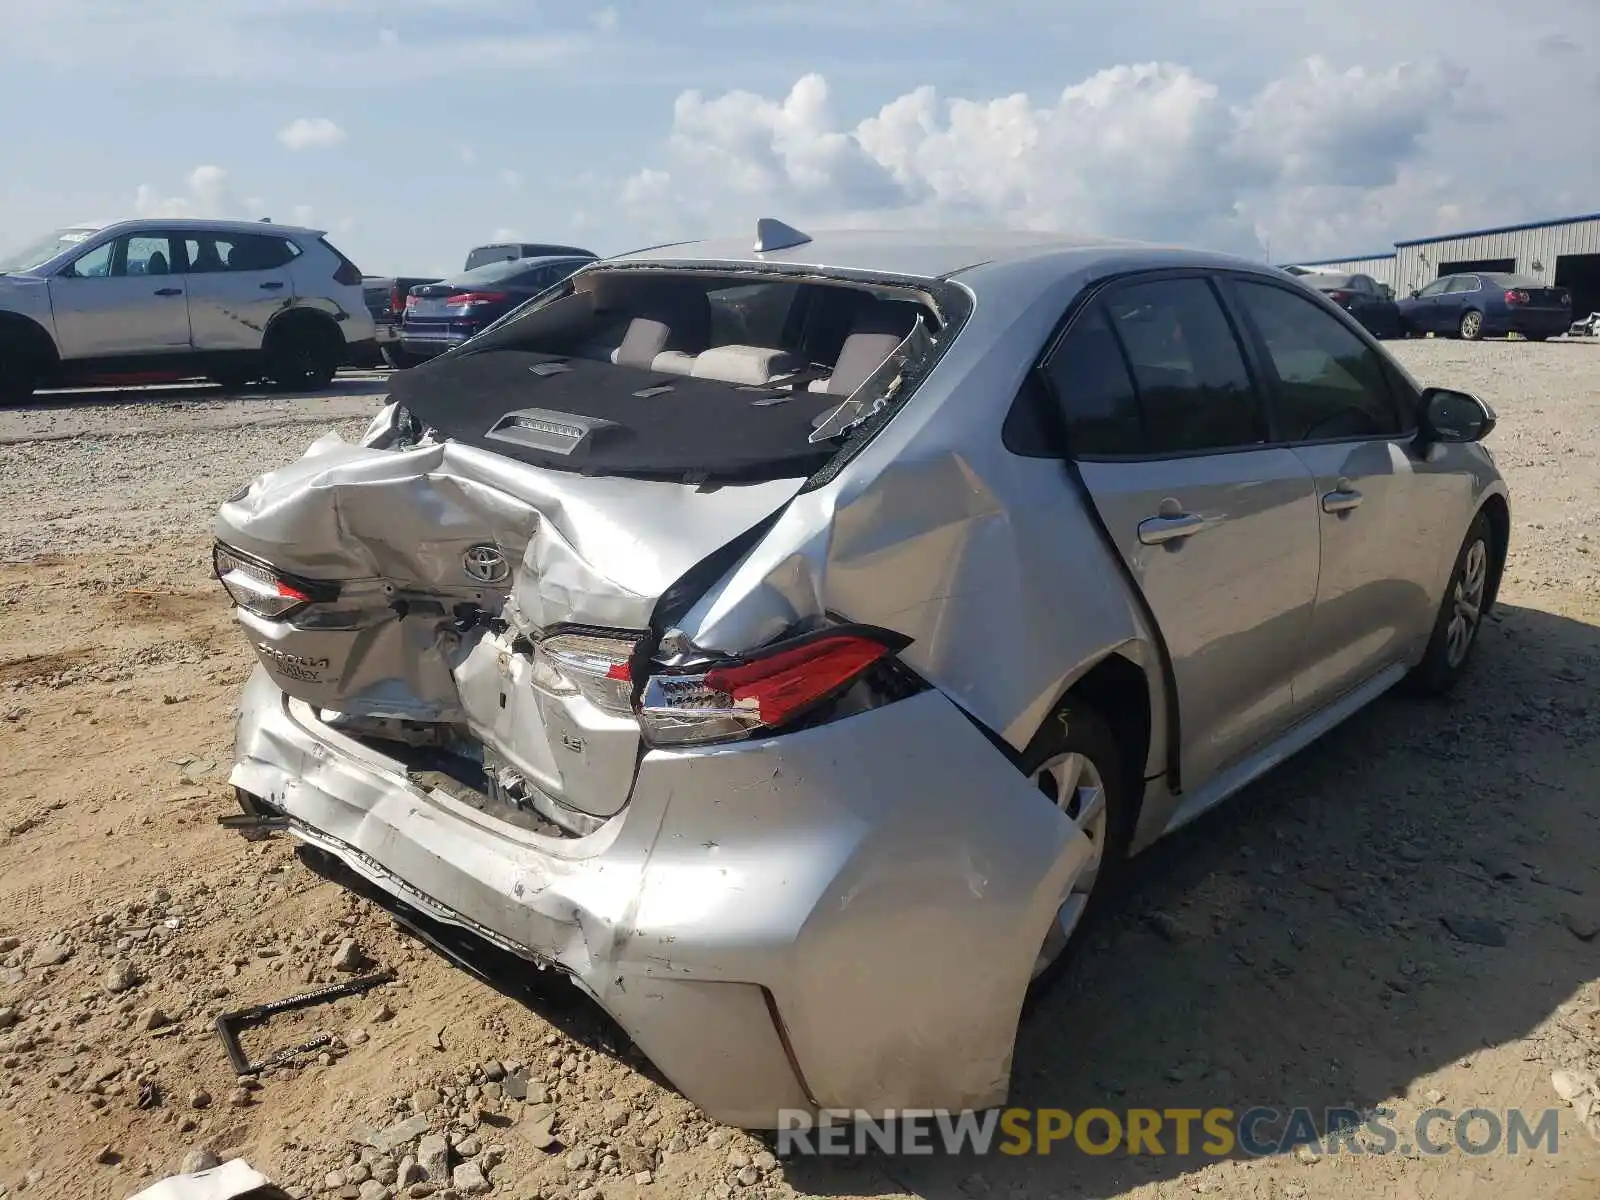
(1534, 250)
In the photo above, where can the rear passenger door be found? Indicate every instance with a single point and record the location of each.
(237, 283)
(1383, 514)
(1218, 527)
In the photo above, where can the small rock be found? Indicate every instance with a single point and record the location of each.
(153, 1018)
(578, 1159)
(333, 1180)
(410, 1172)
(617, 1116)
(1435, 1096)
(420, 1189)
(494, 1071)
(425, 1100)
(468, 1147)
(239, 1097)
(748, 1177)
(469, 1180)
(383, 1012)
(765, 1161)
(50, 954)
(348, 956)
(643, 1178)
(108, 1156)
(356, 1037)
(395, 1136)
(1583, 926)
(1569, 1085)
(8, 1017)
(433, 1156)
(199, 1098)
(538, 1135)
(738, 1159)
(1306, 1154)
(201, 1158)
(1167, 927)
(120, 976)
(515, 1086)
(373, 1190)
(1475, 931)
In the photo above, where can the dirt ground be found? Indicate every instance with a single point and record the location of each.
(1289, 950)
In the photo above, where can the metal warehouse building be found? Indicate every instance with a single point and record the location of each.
(1562, 253)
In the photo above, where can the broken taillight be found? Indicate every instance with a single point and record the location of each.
(259, 588)
(762, 691)
(593, 665)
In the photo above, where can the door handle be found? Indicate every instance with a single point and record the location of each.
(1342, 499)
(169, 291)
(1170, 527)
(271, 286)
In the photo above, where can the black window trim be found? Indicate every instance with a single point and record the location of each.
(1400, 397)
(1094, 295)
(1037, 390)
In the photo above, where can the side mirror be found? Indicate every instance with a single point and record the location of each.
(1451, 416)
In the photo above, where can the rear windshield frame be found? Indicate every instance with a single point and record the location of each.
(950, 303)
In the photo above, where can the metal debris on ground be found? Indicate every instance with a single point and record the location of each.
(230, 1024)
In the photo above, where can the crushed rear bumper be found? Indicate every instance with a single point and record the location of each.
(844, 917)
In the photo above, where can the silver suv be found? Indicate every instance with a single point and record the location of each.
(790, 645)
(234, 301)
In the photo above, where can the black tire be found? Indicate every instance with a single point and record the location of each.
(1077, 729)
(19, 371)
(1445, 661)
(398, 358)
(303, 355)
(1538, 337)
(1470, 327)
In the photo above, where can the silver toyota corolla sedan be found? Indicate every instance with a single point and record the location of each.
(789, 644)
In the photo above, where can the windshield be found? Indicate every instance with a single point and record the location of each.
(1506, 280)
(684, 374)
(43, 251)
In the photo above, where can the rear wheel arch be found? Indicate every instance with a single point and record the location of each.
(1117, 690)
(293, 321)
(303, 347)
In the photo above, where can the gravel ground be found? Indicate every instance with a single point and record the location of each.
(1315, 943)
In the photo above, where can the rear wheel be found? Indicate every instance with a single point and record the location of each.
(1077, 766)
(398, 358)
(19, 370)
(1537, 337)
(303, 355)
(1471, 325)
(1455, 630)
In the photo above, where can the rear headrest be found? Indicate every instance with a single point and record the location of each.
(670, 318)
(753, 365)
(879, 326)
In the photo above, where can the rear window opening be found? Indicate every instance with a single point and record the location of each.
(697, 376)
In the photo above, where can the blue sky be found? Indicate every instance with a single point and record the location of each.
(413, 129)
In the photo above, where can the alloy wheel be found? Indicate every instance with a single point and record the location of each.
(1471, 325)
(1467, 603)
(1074, 784)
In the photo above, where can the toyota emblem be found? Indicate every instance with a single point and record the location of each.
(485, 564)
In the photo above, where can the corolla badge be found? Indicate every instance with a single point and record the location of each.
(485, 564)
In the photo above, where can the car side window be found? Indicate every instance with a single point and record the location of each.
(96, 264)
(1331, 384)
(1436, 288)
(1195, 394)
(1462, 283)
(144, 254)
(239, 252)
(1091, 383)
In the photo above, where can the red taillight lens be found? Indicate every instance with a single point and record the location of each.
(411, 302)
(396, 300)
(1339, 297)
(469, 299)
(1516, 296)
(762, 691)
(258, 588)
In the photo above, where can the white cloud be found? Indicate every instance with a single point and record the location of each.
(310, 133)
(206, 194)
(1150, 150)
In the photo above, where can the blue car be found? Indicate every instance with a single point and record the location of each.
(445, 314)
(1487, 304)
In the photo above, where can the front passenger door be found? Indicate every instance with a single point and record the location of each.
(122, 298)
(1218, 528)
(1382, 512)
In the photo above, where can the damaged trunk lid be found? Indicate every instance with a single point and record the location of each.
(465, 605)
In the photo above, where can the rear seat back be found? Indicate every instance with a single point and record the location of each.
(879, 326)
(677, 318)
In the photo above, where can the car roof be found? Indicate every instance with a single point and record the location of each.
(924, 254)
(206, 225)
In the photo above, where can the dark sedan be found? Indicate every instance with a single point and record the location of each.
(1488, 304)
(445, 314)
(1362, 296)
